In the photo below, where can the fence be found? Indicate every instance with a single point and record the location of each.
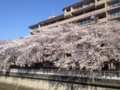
(74, 73)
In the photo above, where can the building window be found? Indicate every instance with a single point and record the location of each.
(115, 14)
(85, 22)
(88, 4)
(77, 8)
(35, 28)
(80, 7)
(115, 5)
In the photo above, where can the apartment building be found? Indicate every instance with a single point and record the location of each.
(82, 13)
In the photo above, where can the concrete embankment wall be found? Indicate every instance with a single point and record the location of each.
(39, 80)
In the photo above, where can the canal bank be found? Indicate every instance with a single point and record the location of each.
(19, 79)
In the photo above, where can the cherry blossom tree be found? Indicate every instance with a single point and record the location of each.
(67, 46)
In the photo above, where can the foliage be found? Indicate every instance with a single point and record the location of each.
(67, 46)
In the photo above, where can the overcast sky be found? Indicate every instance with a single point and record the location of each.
(17, 15)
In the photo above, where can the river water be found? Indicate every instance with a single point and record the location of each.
(12, 87)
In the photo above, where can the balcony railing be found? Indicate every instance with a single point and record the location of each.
(85, 22)
(34, 29)
(68, 14)
(89, 21)
(75, 18)
(111, 1)
(89, 4)
(115, 14)
(73, 73)
(84, 6)
(100, 2)
(78, 8)
(114, 5)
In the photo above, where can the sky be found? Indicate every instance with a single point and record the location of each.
(17, 15)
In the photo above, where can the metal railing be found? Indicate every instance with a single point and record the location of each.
(71, 73)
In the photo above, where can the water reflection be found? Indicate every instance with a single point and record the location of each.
(5, 88)
(12, 87)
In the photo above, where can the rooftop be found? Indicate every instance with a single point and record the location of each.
(48, 21)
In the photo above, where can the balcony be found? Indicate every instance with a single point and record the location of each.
(114, 6)
(68, 14)
(98, 3)
(78, 8)
(114, 18)
(89, 4)
(76, 18)
(83, 8)
(111, 1)
(34, 31)
(89, 13)
(89, 21)
(85, 22)
(102, 20)
(115, 15)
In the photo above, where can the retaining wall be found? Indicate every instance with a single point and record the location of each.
(48, 80)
